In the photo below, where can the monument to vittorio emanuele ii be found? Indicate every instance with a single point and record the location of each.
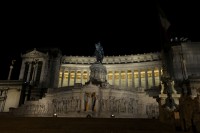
(98, 86)
(127, 86)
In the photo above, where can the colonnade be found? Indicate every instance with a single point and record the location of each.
(143, 77)
(31, 70)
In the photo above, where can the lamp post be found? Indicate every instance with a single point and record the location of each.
(11, 67)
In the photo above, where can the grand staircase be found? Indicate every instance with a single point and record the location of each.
(82, 125)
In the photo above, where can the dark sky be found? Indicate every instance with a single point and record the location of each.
(122, 28)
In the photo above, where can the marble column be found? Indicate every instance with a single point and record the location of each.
(119, 78)
(62, 78)
(146, 79)
(113, 78)
(69, 74)
(139, 78)
(21, 75)
(153, 77)
(88, 78)
(133, 79)
(11, 67)
(36, 70)
(44, 71)
(81, 76)
(29, 72)
(33, 75)
(75, 72)
(9, 75)
(126, 78)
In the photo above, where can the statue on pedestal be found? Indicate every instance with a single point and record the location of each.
(99, 53)
(168, 87)
(98, 71)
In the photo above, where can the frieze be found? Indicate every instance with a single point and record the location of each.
(65, 105)
(119, 105)
(152, 110)
(90, 99)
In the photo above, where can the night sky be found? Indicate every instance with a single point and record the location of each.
(122, 28)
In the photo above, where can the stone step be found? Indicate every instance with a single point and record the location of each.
(82, 125)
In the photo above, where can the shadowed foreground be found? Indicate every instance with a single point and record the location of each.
(82, 125)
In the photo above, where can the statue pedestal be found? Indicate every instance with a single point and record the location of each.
(174, 96)
(166, 108)
(98, 73)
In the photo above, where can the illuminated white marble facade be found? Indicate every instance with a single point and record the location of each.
(129, 78)
(146, 69)
(123, 96)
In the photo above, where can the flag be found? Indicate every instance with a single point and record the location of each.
(163, 19)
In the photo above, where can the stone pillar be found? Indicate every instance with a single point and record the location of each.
(146, 79)
(133, 79)
(88, 78)
(44, 71)
(29, 72)
(81, 76)
(11, 67)
(126, 78)
(33, 75)
(75, 72)
(36, 68)
(9, 75)
(21, 76)
(153, 77)
(62, 78)
(69, 74)
(113, 78)
(119, 78)
(139, 78)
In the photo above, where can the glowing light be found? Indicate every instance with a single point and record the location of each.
(112, 116)
(54, 115)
